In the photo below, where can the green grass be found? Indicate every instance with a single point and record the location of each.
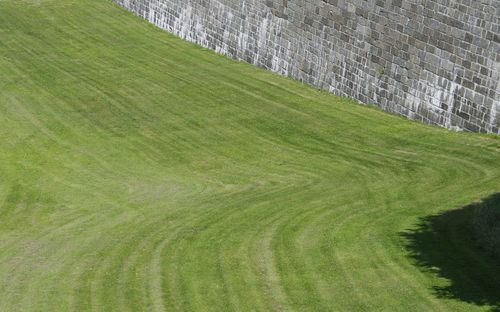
(448, 245)
(142, 173)
(486, 224)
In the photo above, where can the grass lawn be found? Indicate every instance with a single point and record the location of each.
(139, 172)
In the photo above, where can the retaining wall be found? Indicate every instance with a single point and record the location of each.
(433, 61)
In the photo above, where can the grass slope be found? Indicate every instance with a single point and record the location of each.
(486, 224)
(142, 173)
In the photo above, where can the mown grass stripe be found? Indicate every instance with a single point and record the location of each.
(143, 173)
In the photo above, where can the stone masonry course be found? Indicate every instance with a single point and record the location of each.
(435, 61)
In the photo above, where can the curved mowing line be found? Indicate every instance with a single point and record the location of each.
(142, 173)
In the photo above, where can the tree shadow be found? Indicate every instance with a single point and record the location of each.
(445, 245)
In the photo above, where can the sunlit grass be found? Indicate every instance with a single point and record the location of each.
(142, 173)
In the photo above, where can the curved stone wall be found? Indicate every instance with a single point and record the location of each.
(436, 61)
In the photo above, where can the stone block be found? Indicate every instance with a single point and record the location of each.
(396, 49)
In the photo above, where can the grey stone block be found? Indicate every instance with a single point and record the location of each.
(397, 55)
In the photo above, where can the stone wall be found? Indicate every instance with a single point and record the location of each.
(436, 61)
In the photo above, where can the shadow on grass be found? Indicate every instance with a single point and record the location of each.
(446, 245)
